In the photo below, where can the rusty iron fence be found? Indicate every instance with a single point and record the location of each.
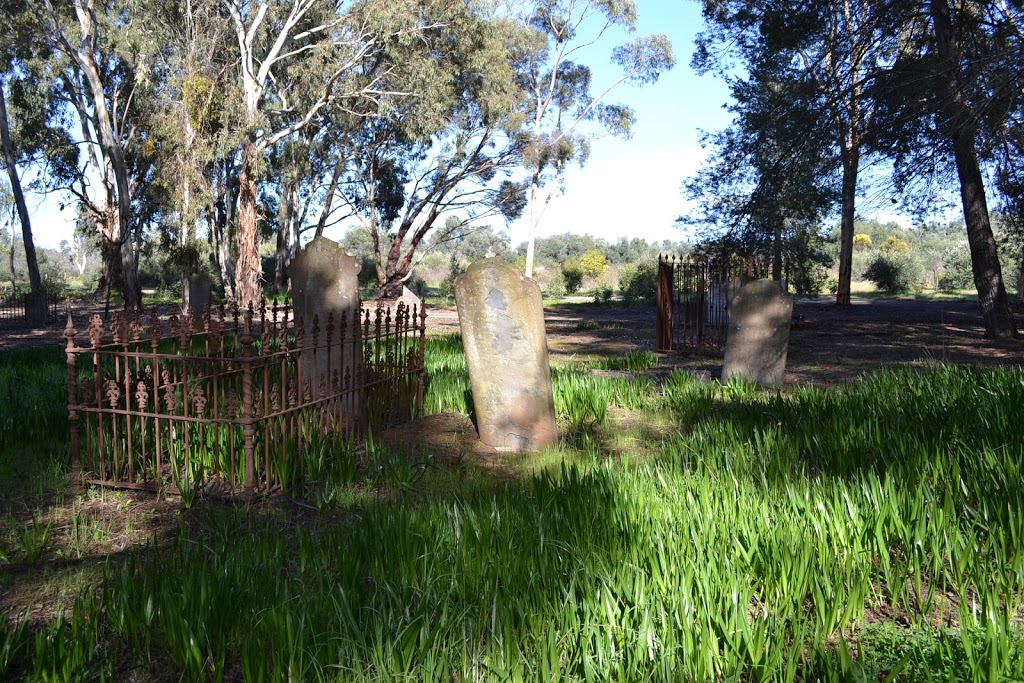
(14, 306)
(692, 300)
(230, 405)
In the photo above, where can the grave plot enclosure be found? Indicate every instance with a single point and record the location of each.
(231, 405)
(692, 300)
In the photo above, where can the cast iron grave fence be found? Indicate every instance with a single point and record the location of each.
(231, 404)
(692, 300)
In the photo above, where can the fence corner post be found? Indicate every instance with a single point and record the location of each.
(73, 416)
(663, 326)
(248, 429)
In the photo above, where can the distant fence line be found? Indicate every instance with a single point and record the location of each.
(692, 300)
(14, 306)
(230, 405)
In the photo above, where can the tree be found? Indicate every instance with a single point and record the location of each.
(770, 171)
(560, 109)
(450, 156)
(837, 45)
(35, 310)
(951, 86)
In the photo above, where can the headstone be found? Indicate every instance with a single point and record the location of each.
(198, 289)
(408, 298)
(325, 280)
(501, 315)
(758, 341)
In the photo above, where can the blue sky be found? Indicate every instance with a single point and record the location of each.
(633, 187)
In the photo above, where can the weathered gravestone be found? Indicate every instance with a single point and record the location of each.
(408, 298)
(758, 341)
(198, 290)
(325, 280)
(501, 315)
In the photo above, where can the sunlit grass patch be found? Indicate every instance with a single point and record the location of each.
(682, 530)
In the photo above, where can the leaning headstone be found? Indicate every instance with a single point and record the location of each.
(198, 289)
(501, 315)
(325, 280)
(759, 319)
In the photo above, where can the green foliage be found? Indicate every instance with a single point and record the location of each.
(456, 267)
(602, 294)
(573, 275)
(556, 287)
(895, 272)
(639, 283)
(747, 542)
(956, 268)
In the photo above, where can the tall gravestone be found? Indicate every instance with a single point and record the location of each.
(759, 319)
(325, 280)
(501, 315)
(198, 291)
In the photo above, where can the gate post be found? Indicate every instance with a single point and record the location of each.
(663, 327)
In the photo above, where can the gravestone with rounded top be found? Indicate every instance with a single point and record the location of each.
(325, 281)
(198, 290)
(501, 316)
(758, 342)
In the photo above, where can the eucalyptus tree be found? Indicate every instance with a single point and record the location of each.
(838, 45)
(99, 67)
(296, 58)
(563, 113)
(21, 138)
(450, 157)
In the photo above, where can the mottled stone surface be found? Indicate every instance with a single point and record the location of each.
(325, 280)
(758, 341)
(501, 315)
(198, 291)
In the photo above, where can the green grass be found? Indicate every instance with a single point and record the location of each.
(864, 533)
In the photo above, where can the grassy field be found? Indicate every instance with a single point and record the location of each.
(681, 531)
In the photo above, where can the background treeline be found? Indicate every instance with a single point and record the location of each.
(221, 135)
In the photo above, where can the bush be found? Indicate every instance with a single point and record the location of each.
(639, 283)
(956, 268)
(554, 288)
(603, 294)
(455, 269)
(594, 264)
(895, 272)
(573, 275)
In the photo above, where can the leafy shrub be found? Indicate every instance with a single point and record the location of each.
(455, 268)
(832, 285)
(895, 272)
(603, 294)
(862, 240)
(639, 283)
(956, 265)
(555, 286)
(573, 274)
(894, 245)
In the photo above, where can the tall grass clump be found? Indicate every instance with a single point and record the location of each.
(861, 533)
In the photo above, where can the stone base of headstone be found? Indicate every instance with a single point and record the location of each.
(758, 342)
(501, 316)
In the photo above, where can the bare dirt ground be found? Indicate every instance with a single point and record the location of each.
(828, 344)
